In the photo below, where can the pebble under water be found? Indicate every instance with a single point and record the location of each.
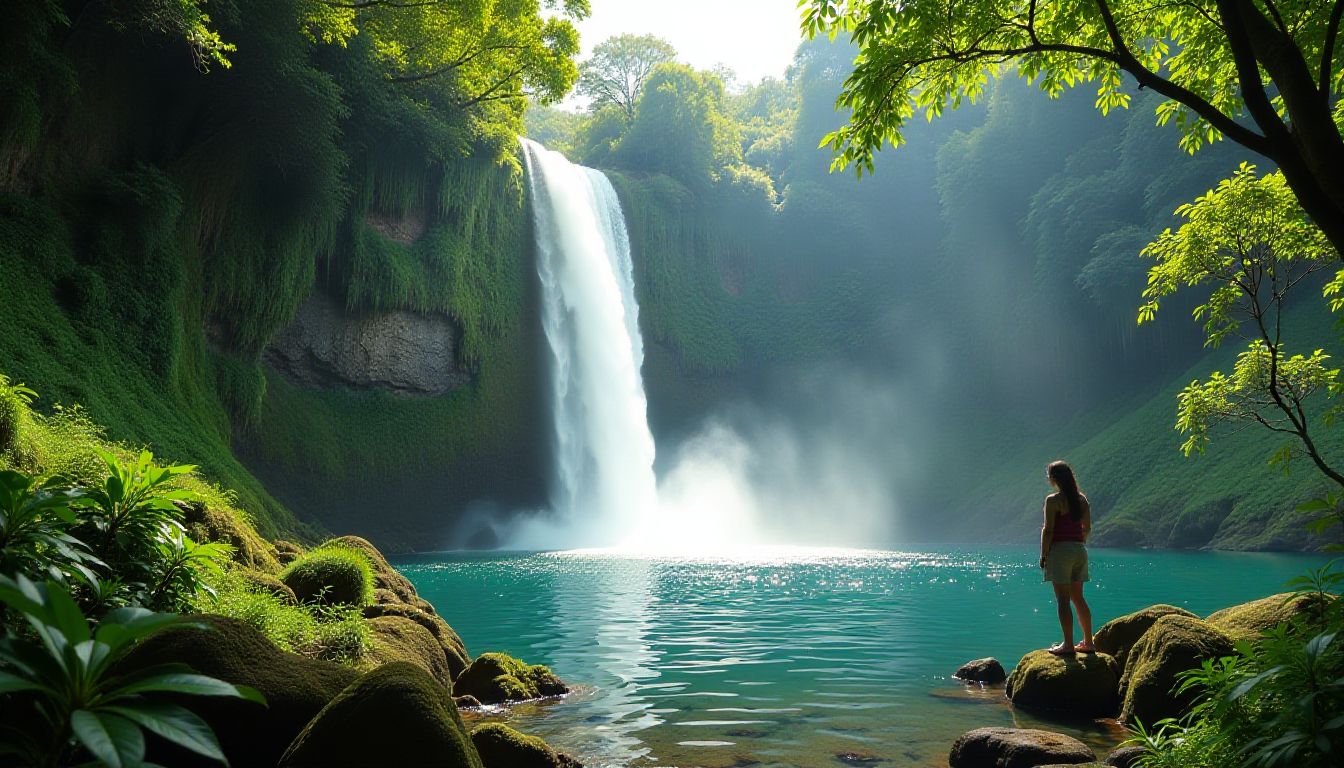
(794, 657)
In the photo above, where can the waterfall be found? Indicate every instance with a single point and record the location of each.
(603, 486)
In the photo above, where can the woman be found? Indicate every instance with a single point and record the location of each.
(1068, 520)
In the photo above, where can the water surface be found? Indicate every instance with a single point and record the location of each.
(797, 658)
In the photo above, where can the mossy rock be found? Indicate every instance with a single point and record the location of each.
(287, 551)
(331, 576)
(1250, 620)
(206, 523)
(384, 575)
(296, 688)
(397, 638)
(1083, 684)
(1174, 644)
(502, 747)
(496, 677)
(1118, 635)
(17, 450)
(454, 650)
(272, 585)
(395, 715)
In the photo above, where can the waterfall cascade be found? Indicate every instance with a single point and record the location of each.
(603, 486)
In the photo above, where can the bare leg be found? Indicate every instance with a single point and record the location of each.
(1084, 615)
(1065, 619)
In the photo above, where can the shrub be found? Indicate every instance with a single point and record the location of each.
(331, 575)
(331, 634)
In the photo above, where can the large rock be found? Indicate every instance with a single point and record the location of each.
(987, 670)
(1172, 645)
(502, 747)
(454, 650)
(325, 346)
(497, 677)
(1017, 748)
(1117, 636)
(1083, 684)
(1125, 757)
(396, 638)
(296, 688)
(1250, 620)
(331, 575)
(396, 715)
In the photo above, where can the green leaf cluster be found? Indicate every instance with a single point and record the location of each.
(68, 679)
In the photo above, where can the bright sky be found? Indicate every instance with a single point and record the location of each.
(755, 38)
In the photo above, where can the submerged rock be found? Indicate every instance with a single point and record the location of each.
(987, 670)
(395, 715)
(295, 687)
(1172, 645)
(1083, 684)
(1250, 620)
(1119, 635)
(1017, 748)
(498, 677)
(502, 747)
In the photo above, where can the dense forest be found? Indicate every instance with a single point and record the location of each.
(178, 189)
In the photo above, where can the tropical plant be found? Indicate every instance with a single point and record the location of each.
(67, 677)
(34, 525)
(181, 565)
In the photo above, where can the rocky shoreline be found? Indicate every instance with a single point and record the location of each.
(1130, 679)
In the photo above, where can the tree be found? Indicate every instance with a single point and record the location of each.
(1251, 241)
(490, 50)
(616, 72)
(680, 127)
(1264, 73)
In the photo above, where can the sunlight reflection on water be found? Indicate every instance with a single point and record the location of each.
(787, 656)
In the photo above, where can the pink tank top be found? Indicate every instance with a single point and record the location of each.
(1067, 528)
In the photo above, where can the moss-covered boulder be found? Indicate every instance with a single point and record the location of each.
(395, 715)
(396, 638)
(454, 650)
(296, 688)
(287, 551)
(1017, 748)
(17, 450)
(1119, 635)
(384, 575)
(1084, 684)
(497, 677)
(208, 523)
(331, 575)
(502, 747)
(1172, 645)
(272, 585)
(1250, 620)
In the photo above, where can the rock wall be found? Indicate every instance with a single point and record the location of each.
(409, 353)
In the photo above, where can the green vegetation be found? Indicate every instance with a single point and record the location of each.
(331, 575)
(328, 634)
(80, 704)
(498, 677)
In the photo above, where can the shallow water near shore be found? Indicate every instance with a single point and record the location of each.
(795, 657)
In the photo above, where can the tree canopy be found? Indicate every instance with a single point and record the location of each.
(615, 73)
(1265, 74)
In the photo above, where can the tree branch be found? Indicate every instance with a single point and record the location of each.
(1328, 50)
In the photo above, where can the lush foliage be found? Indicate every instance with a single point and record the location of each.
(1278, 702)
(614, 75)
(83, 704)
(334, 634)
(1215, 64)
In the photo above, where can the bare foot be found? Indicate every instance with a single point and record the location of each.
(1085, 648)
(1061, 650)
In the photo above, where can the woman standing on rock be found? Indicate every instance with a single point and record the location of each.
(1068, 520)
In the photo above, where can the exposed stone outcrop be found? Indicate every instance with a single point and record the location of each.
(1017, 748)
(497, 677)
(502, 747)
(410, 353)
(1118, 635)
(1249, 620)
(987, 670)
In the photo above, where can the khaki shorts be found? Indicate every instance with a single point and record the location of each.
(1066, 563)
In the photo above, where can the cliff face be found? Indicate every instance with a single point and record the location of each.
(399, 351)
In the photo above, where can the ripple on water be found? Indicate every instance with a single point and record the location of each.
(791, 657)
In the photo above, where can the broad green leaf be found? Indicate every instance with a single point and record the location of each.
(112, 739)
(176, 724)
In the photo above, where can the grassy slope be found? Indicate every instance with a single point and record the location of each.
(1143, 490)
